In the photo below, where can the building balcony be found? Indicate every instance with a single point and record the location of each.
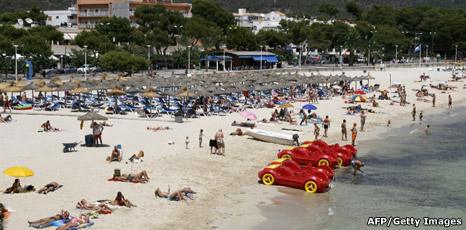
(93, 13)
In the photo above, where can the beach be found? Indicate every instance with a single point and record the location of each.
(228, 193)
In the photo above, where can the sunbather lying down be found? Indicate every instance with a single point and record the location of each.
(158, 128)
(100, 208)
(75, 222)
(141, 177)
(50, 187)
(106, 124)
(243, 124)
(176, 195)
(46, 222)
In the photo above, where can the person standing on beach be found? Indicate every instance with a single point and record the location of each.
(201, 135)
(433, 100)
(97, 132)
(303, 117)
(316, 131)
(326, 125)
(187, 142)
(427, 130)
(344, 135)
(219, 137)
(449, 101)
(363, 120)
(414, 112)
(421, 115)
(354, 134)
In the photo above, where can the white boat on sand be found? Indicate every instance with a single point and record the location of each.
(272, 137)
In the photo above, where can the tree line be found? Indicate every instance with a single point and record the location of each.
(114, 44)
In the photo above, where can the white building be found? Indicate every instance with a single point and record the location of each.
(259, 21)
(61, 18)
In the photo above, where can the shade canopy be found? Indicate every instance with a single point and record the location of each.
(18, 171)
(92, 116)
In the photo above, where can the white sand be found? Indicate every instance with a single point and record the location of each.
(228, 192)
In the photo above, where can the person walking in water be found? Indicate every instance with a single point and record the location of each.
(449, 101)
(354, 134)
(326, 123)
(363, 120)
(344, 135)
(316, 131)
(413, 113)
(421, 115)
(357, 165)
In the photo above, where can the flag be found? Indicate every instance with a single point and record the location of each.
(418, 49)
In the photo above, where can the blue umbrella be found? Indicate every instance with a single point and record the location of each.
(309, 107)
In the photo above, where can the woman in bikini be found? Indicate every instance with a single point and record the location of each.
(121, 201)
(100, 208)
(75, 222)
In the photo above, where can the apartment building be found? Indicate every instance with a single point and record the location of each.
(91, 12)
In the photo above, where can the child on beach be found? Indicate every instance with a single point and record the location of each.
(316, 131)
(187, 142)
(354, 134)
(201, 135)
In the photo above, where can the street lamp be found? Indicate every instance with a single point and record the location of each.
(261, 57)
(341, 56)
(396, 53)
(16, 61)
(224, 61)
(148, 57)
(427, 51)
(456, 53)
(189, 60)
(85, 62)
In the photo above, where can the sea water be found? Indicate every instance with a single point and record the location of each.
(407, 173)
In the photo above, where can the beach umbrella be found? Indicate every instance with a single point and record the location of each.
(92, 116)
(359, 98)
(45, 88)
(18, 171)
(150, 93)
(309, 107)
(286, 105)
(115, 92)
(248, 115)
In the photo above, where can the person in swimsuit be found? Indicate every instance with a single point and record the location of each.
(316, 131)
(344, 134)
(449, 102)
(45, 222)
(357, 165)
(177, 195)
(121, 201)
(354, 134)
(15, 188)
(115, 156)
(141, 177)
(48, 127)
(100, 208)
(50, 187)
(137, 157)
(75, 222)
(326, 123)
(219, 137)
